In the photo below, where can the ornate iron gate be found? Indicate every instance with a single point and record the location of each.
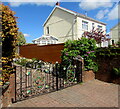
(31, 82)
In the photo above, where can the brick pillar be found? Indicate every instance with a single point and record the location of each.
(88, 75)
(9, 92)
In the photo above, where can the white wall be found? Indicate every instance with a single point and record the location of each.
(115, 33)
(80, 31)
(60, 25)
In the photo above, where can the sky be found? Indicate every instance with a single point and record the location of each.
(32, 14)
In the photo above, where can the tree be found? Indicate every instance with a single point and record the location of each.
(9, 40)
(97, 34)
(21, 39)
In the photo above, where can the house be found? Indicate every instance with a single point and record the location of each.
(115, 33)
(45, 40)
(65, 24)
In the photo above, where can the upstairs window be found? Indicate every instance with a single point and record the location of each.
(93, 25)
(99, 27)
(48, 31)
(84, 25)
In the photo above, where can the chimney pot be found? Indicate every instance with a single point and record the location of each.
(58, 4)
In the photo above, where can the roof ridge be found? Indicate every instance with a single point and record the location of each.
(81, 14)
(74, 13)
(71, 10)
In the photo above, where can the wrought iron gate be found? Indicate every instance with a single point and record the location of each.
(31, 82)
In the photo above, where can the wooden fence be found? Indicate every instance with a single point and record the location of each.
(47, 53)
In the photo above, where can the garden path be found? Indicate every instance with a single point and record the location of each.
(94, 93)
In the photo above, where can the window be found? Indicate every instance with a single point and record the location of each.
(38, 41)
(113, 42)
(48, 30)
(52, 42)
(43, 42)
(99, 27)
(48, 42)
(93, 25)
(84, 25)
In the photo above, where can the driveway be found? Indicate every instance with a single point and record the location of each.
(94, 93)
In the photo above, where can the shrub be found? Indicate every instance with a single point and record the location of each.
(31, 63)
(84, 47)
(110, 51)
(9, 40)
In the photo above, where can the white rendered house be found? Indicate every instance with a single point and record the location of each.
(65, 24)
(115, 34)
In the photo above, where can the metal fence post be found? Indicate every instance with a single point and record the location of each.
(14, 72)
(56, 66)
(78, 71)
(79, 68)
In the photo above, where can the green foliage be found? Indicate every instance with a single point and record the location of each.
(21, 39)
(29, 62)
(110, 51)
(34, 59)
(116, 71)
(84, 47)
(22, 61)
(9, 39)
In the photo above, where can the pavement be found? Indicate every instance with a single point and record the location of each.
(94, 93)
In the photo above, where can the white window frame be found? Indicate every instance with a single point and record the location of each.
(84, 25)
(93, 25)
(44, 42)
(48, 30)
(48, 42)
(99, 27)
(51, 42)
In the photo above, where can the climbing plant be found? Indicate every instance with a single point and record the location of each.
(9, 34)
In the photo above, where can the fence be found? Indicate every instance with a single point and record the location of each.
(47, 53)
(47, 78)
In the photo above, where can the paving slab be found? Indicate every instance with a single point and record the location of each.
(94, 93)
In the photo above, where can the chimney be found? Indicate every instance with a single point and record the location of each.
(58, 4)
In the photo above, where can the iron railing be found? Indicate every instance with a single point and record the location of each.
(33, 81)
